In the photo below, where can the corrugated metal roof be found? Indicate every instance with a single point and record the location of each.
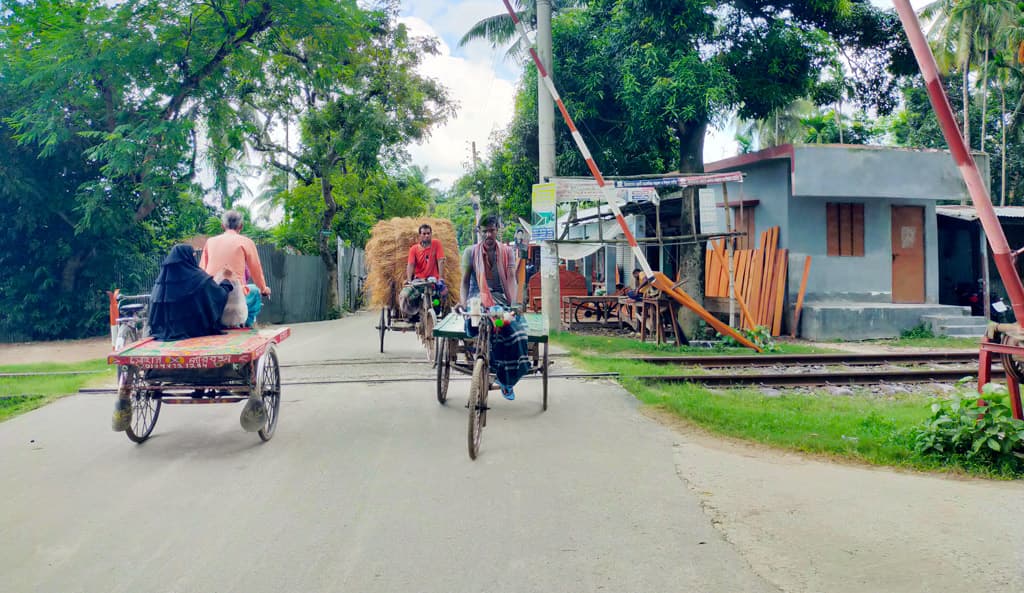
(969, 213)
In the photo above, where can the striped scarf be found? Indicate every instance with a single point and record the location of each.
(504, 260)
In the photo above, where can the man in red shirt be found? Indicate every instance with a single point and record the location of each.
(426, 260)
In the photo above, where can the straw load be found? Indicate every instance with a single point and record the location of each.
(388, 251)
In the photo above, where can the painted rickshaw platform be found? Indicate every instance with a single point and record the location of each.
(453, 326)
(233, 346)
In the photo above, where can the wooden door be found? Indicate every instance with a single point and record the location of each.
(743, 222)
(907, 254)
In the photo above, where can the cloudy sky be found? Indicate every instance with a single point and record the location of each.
(483, 84)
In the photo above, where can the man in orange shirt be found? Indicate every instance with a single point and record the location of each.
(426, 260)
(236, 253)
(230, 251)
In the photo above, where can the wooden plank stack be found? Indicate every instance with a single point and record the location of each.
(759, 277)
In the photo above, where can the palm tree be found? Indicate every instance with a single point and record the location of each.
(963, 31)
(499, 29)
(990, 17)
(272, 194)
(953, 44)
(784, 126)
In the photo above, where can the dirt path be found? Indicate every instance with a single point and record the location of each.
(61, 351)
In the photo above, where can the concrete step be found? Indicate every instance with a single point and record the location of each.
(961, 331)
(937, 321)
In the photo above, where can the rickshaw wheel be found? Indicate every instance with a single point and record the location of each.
(444, 369)
(268, 384)
(477, 405)
(427, 319)
(382, 329)
(145, 407)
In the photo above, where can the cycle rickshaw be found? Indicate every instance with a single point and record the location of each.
(469, 356)
(220, 369)
(432, 307)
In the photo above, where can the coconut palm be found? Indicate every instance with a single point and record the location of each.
(783, 126)
(499, 29)
(953, 45)
(963, 32)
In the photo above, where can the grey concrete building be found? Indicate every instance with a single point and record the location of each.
(866, 215)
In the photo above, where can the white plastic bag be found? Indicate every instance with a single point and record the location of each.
(235, 311)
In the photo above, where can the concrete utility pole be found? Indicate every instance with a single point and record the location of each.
(551, 301)
(475, 199)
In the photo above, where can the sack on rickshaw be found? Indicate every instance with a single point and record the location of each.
(235, 311)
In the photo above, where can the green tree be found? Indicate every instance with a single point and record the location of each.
(361, 102)
(645, 78)
(107, 108)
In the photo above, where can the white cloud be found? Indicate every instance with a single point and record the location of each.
(485, 104)
(483, 84)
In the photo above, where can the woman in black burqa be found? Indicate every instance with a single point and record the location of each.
(186, 302)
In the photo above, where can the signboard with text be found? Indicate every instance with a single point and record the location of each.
(543, 217)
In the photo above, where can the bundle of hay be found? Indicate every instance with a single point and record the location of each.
(388, 251)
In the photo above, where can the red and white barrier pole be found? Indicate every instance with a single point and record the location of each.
(112, 295)
(658, 279)
(976, 186)
(580, 144)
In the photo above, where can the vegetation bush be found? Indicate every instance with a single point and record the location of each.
(979, 430)
(761, 336)
(918, 332)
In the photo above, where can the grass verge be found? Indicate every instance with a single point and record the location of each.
(862, 427)
(933, 342)
(23, 394)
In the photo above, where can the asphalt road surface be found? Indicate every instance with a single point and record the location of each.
(365, 487)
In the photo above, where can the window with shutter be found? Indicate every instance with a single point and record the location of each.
(844, 224)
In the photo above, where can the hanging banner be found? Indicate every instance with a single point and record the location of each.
(543, 219)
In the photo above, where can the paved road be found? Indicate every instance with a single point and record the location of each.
(366, 487)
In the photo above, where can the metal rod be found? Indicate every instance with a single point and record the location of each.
(608, 194)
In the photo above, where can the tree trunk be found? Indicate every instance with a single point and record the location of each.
(69, 274)
(967, 104)
(839, 121)
(984, 96)
(691, 257)
(329, 251)
(1002, 151)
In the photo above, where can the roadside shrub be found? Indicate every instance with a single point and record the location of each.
(982, 432)
(918, 331)
(761, 336)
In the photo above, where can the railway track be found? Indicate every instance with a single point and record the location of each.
(843, 358)
(806, 370)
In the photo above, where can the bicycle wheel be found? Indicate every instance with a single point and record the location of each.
(127, 334)
(589, 310)
(145, 407)
(268, 383)
(382, 329)
(477, 405)
(444, 369)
